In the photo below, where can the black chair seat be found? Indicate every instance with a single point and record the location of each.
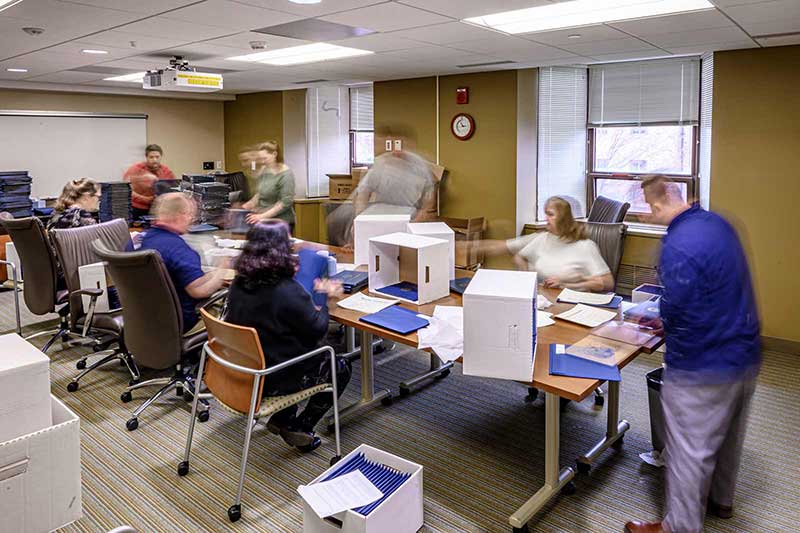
(62, 297)
(108, 322)
(194, 341)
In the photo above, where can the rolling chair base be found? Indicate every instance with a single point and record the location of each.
(106, 356)
(183, 382)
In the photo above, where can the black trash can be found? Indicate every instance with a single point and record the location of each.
(654, 381)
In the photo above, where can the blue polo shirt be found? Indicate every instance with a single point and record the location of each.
(708, 306)
(183, 265)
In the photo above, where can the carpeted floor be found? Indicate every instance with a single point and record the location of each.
(480, 444)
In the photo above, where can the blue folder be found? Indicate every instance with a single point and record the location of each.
(564, 364)
(352, 280)
(201, 228)
(311, 266)
(459, 285)
(404, 289)
(397, 319)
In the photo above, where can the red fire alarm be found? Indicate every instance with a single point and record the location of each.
(462, 95)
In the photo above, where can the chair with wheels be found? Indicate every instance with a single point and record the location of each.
(153, 326)
(233, 367)
(607, 210)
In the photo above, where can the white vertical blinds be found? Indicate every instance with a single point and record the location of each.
(327, 136)
(361, 108)
(645, 92)
(706, 101)
(562, 136)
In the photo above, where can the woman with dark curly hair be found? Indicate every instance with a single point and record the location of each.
(266, 297)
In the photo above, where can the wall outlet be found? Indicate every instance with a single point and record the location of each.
(398, 144)
(218, 165)
(208, 165)
(388, 145)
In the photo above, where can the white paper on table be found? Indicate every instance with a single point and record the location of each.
(542, 302)
(444, 333)
(366, 304)
(340, 494)
(587, 316)
(230, 243)
(543, 318)
(577, 297)
(344, 266)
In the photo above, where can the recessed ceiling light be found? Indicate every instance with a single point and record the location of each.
(5, 4)
(96, 52)
(307, 53)
(136, 77)
(574, 36)
(583, 13)
(305, 1)
(17, 70)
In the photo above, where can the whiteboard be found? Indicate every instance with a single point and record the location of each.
(57, 147)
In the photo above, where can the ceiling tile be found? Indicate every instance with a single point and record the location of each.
(123, 39)
(310, 10)
(615, 46)
(690, 38)
(712, 47)
(53, 14)
(730, 3)
(185, 31)
(449, 32)
(503, 44)
(379, 42)
(747, 15)
(780, 41)
(629, 56)
(787, 25)
(228, 14)
(74, 48)
(673, 23)
(386, 17)
(241, 41)
(473, 8)
(68, 76)
(144, 7)
(588, 34)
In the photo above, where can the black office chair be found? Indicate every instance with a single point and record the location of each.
(607, 210)
(610, 239)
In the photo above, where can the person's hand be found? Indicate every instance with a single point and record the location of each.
(552, 282)
(654, 325)
(332, 288)
(254, 218)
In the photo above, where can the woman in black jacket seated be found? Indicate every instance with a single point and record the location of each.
(266, 297)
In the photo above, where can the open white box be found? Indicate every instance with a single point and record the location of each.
(366, 227)
(500, 325)
(401, 512)
(40, 475)
(437, 230)
(402, 257)
(24, 388)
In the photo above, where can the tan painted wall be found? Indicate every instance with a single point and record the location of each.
(754, 172)
(190, 131)
(250, 119)
(407, 106)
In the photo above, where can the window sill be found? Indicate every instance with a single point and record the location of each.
(637, 229)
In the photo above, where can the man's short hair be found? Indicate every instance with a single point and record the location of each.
(660, 187)
(153, 148)
(171, 204)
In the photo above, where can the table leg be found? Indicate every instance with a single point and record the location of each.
(437, 371)
(615, 430)
(554, 480)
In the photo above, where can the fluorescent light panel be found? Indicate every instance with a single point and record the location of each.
(307, 53)
(17, 70)
(583, 13)
(96, 52)
(136, 77)
(5, 4)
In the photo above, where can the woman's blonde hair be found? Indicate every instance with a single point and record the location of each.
(565, 225)
(274, 148)
(73, 190)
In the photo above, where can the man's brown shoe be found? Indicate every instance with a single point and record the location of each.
(720, 511)
(636, 526)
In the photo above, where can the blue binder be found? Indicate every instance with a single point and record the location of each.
(564, 364)
(459, 285)
(385, 478)
(397, 319)
(352, 280)
(311, 266)
(404, 289)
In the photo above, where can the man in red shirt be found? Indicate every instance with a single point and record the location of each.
(143, 175)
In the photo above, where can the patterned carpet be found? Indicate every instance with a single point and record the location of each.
(480, 444)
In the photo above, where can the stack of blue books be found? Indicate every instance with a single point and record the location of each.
(115, 200)
(213, 199)
(352, 280)
(15, 193)
(386, 479)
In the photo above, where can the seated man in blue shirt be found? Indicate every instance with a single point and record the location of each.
(710, 322)
(174, 214)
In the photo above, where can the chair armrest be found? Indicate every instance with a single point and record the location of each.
(272, 369)
(211, 300)
(96, 293)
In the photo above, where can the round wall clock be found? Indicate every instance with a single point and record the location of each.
(463, 126)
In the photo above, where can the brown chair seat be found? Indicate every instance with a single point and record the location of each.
(105, 322)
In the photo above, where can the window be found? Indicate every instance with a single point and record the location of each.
(660, 149)
(362, 130)
(327, 116)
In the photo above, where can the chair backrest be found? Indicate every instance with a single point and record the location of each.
(608, 210)
(74, 249)
(38, 261)
(151, 310)
(610, 238)
(238, 345)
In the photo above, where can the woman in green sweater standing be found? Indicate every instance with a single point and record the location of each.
(275, 195)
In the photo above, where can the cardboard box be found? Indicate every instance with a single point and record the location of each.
(437, 230)
(340, 186)
(402, 257)
(645, 291)
(402, 512)
(500, 325)
(94, 276)
(468, 234)
(40, 475)
(357, 175)
(24, 388)
(367, 226)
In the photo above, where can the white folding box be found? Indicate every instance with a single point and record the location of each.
(500, 324)
(13, 257)
(366, 227)
(94, 276)
(402, 257)
(437, 230)
(40, 475)
(24, 388)
(399, 513)
(645, 291)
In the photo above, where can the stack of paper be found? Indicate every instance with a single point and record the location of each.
(587, 316)
(445, 332)
(339, 494)
(543, 318)
(577, 297)
(366, 304)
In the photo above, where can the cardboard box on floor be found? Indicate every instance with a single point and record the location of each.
(40, 475)
(469, 232)
(24, 388)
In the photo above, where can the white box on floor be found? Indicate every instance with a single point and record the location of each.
(366, 227)
(24, 388)
(94, 276)
(500, 324)
(437, 230)
(645, 291)
(413, 259)
(401, 512)
(13, 257)
(40, 475)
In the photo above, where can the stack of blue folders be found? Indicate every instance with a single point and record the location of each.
(115, 200)
(386, 479)
(15, 193)
(564, 364)
(352, 280)
(397, 319)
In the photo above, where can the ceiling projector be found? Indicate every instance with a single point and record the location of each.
(179, 76)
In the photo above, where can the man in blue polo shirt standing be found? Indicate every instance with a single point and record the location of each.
(713, 356)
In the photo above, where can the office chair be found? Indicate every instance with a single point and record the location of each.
(74, 250)
(607, 210)
(233, 367)
(153, 325)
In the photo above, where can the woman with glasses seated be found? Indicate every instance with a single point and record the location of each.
(266, 297)
(77, 206)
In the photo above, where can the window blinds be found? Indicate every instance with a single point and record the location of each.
(562, 136)
(706, 92)
(327, 136)
(361, 108)
(645, 92)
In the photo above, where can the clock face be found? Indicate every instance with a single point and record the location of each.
(463, 126)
